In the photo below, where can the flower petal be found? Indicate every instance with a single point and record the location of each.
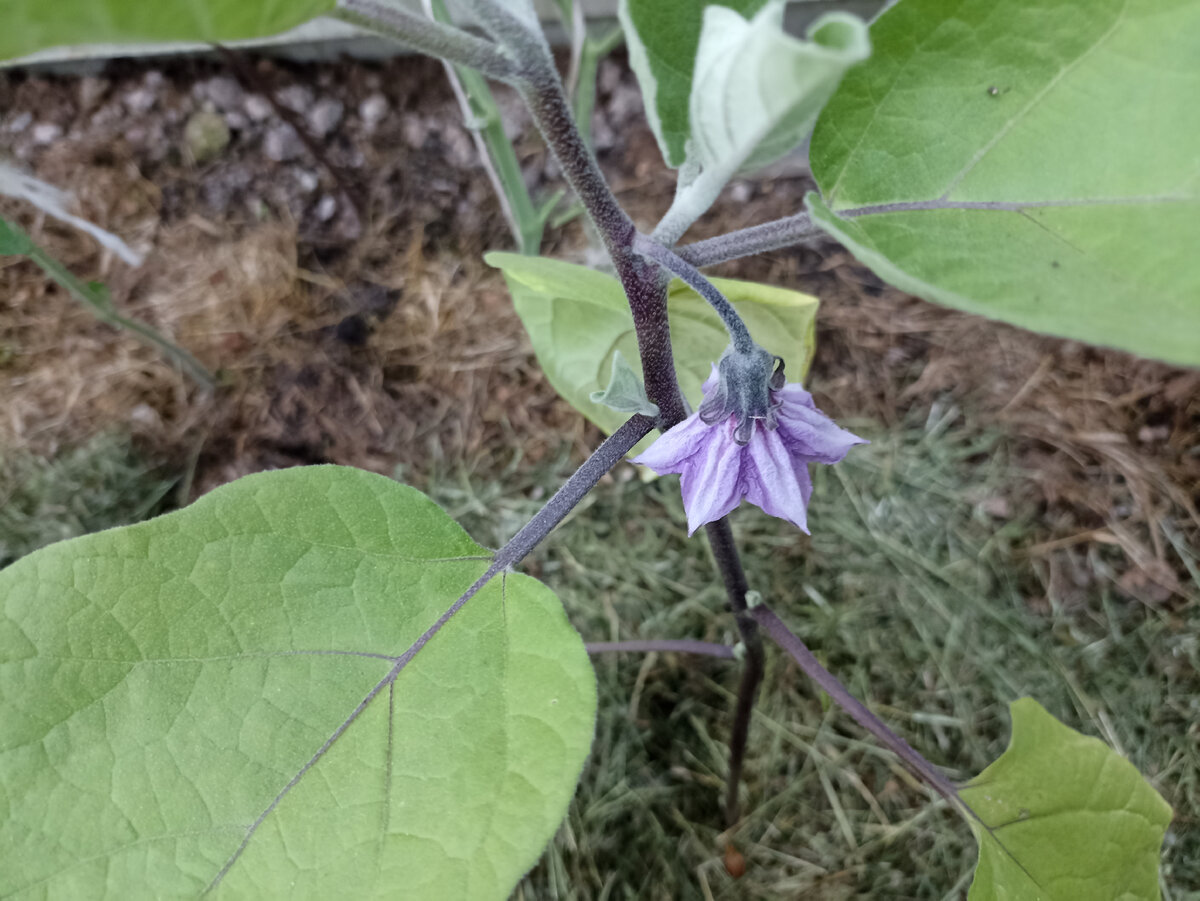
(711, 482)
(793, 393)
(674, 447)
(810, 434)
(773, 478)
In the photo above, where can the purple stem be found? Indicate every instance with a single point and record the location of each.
(644, 286)
(725, 553)
(799, 652)
(665, 645)
(694, 278)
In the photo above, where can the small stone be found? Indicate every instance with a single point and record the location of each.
(296, 97)
(258, 108)
(415, 131)
(326, 208)
(308, 181)
(19, 122)
(237, 121)
(225, 92)
(46, 132)
(206, 135)
(140, 100)
(281, 144)
(325, 116)
(372, 110)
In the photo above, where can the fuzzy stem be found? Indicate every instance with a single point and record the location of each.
(610, 452)
(432, 38)
(524, 40)
(669, 260)
(746, 242)
(665, 645)
(720, 539)
(829, 683)
(645, 288)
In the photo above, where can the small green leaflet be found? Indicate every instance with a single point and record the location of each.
(662, 37)
(1034, 161)
(209, 700)
(577, 319)
(1070, 818)
(31, 25)
(624, 393)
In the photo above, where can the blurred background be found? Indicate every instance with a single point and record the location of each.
(1024, 522)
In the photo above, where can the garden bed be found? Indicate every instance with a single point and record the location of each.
(337, 287)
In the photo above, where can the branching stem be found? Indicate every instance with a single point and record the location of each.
(747, 242)
(663, 645)
(790, 642)
(694, 278)
(431, 38)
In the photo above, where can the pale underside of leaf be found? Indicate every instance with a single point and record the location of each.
(662, 37)
(757, 90)
(578, 319)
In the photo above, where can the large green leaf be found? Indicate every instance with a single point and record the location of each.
(212, 698)
(1036, 161)
(1070, 819)
(662, 37)
(30, 25)
(578, 319)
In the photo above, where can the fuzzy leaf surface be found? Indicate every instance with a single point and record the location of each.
(31, 25)
(578, 319)
(1034, 161)
(757, 90)
(663, 37)
(210, 700)
(1070, 818)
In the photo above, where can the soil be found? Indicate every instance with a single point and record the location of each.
(326, 262)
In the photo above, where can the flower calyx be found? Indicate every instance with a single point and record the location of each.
(745, 380)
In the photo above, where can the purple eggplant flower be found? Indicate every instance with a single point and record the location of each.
(763, 460)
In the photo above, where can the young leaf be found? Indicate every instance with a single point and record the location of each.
(1029, 160)
(1069, 818)
(578, 319)
(662, 37)
(212, 699)
(624, 393)
(31, 25)
(756, 90)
